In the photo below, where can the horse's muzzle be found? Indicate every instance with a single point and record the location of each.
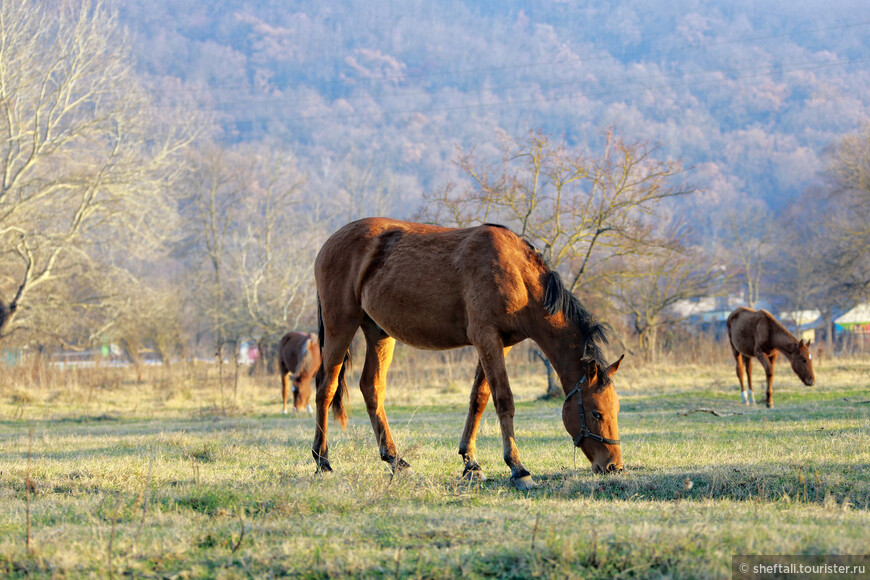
(611, 468)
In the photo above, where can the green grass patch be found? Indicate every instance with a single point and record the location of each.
(146, 481)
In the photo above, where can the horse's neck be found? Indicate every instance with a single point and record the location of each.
(783, 340)
(565, 361)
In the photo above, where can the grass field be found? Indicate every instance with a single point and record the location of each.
(177, 478)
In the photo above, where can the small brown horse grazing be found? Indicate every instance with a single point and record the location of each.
(756, 333)
(298, 359)
(439, 288)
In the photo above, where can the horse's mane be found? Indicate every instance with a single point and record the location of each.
(779, 325)
(557, 298)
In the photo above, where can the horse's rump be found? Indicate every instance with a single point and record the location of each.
(298, 353)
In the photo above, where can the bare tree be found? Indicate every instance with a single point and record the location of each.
(81, 156)
(658, 282)
(583, 212)
(849, 170)
(364, 188)
(216, 187)
(273, 252)
(747, 237)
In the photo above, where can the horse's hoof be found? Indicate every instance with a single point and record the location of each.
(405, 470)
(400, 466)
(323, 467)
(523, 483)
(474, 475)
(284, 412)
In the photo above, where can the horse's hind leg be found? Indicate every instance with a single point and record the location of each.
(468, 443)
(336, 342)
(739, 363)
(747, 362)
(373, 384)
(285, 384)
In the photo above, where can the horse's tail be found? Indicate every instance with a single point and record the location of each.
(339, 401)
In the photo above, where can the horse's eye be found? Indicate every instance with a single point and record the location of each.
(597, 415)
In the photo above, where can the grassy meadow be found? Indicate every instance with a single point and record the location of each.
(184, 476)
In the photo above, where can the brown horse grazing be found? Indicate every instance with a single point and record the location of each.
(757, 333)
(298, 359)
(439, 288)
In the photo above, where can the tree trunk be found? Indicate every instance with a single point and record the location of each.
(554, 390)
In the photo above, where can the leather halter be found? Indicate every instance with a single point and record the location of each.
(584, 430)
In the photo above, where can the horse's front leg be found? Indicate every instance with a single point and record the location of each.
(480, 393)
(767, 364)
(491, 353)
(772, 358)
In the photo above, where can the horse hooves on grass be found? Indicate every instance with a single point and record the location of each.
(523, 483)
(401, 466)
(474, 475)
(406, 471)
(323, 467)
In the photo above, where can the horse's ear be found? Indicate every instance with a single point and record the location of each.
(611, 370)
(591, 371)
(809, 342)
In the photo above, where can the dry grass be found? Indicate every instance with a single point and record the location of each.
(169, 478)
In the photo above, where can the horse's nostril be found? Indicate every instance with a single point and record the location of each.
(613, 468)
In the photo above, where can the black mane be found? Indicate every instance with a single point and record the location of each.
(557, 298)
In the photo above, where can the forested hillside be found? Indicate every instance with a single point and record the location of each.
(748, 95)
(168, 170)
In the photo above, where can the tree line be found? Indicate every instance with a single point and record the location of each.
(122, 219)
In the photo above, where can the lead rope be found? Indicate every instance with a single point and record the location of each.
(578, 394)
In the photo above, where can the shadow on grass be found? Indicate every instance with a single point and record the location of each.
(843, 484)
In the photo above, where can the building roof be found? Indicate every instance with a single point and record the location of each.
(858, 315)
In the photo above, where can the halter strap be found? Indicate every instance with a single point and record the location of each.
(584, 430)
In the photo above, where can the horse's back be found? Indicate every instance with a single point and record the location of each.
(294, 348)
(421, 283)
(749, 328)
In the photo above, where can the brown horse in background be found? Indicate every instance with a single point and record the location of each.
(439, 288)
(298, 359)
(756, 333)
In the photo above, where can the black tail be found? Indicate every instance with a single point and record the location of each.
(339, 401)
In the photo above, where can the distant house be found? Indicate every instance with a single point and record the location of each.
(855, 321)
(850, 325)
(710, 313)
(800, 322)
